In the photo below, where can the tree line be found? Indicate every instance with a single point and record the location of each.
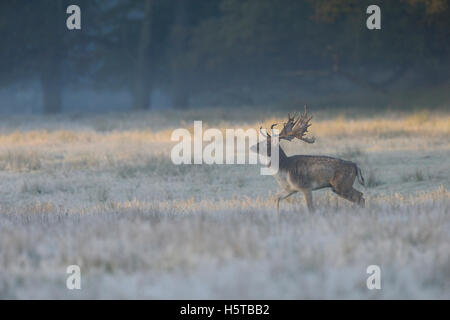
(194, 47)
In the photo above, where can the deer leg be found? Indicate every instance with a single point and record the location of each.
(359, 198)
(352, 195)
(356, 197)
(283, 195)
(308, 196)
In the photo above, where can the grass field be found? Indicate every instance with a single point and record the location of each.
(100, 191)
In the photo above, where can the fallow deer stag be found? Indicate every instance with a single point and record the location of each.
(306, 173)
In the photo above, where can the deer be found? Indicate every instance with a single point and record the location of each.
(306, 173)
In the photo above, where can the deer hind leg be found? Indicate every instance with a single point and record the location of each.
(352, 195)
(308, 197)
(342, 185)
(359, 198)
(283, 195)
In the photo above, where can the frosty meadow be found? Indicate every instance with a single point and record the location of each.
(101, 192)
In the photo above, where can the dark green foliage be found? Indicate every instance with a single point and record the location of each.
(227, 50)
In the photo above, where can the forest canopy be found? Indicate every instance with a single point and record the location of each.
(225, 52)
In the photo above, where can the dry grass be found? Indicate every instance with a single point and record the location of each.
(101, 192)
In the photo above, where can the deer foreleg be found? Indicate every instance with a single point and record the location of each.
(308, 196)
(281, 196)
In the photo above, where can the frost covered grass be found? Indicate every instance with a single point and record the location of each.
(100, 191)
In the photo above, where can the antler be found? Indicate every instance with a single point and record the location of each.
(297, 128)
(267, 131)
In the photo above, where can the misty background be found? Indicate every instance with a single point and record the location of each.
(156, 54)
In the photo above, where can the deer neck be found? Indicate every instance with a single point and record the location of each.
(282, 158)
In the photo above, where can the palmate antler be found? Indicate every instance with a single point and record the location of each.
(293, 128)
(297, 128)
(267, 134)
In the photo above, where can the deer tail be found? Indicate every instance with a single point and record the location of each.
(360, 176)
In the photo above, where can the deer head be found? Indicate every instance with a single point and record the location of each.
(295, 127)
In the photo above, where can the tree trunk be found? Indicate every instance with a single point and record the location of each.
(51, 90)
(142, 85)
(181, 99)
(180, 71)
(51, 68)
(141, 96)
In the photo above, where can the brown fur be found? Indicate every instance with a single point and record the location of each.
(307, 173)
